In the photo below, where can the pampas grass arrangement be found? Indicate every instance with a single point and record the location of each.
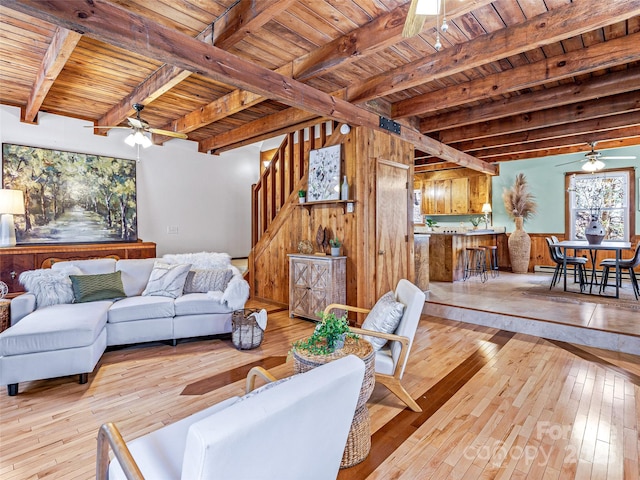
(518, 200)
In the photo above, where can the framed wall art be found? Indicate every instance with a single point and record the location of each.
(324, 174)
(71, 197)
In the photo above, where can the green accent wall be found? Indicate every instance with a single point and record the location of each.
(546, 181)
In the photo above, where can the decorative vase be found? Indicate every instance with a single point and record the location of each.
(335, 251)
(338, 343)
(344, 191)
(519, 248)
(594, 231)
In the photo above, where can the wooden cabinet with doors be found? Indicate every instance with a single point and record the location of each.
(315, 281)
(453, 192)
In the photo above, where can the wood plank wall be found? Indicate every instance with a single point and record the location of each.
(360, 150)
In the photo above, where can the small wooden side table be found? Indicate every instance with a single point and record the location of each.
(5, 317)
(359, 439)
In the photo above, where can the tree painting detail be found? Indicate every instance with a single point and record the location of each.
(71, 197)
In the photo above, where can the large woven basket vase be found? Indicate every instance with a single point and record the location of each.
(519, 248)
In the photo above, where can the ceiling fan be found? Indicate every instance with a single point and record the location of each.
(593, 160)
(139, 127)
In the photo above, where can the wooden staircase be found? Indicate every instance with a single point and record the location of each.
(275, 195)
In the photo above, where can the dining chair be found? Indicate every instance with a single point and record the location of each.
(558, 258)
(629, 264)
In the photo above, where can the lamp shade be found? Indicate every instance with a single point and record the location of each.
(11, 201)
(486, 208)
(593, 165)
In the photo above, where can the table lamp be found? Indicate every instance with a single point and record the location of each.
(11, 203)
(486, 209)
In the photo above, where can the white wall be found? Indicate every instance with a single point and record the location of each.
(208, 198)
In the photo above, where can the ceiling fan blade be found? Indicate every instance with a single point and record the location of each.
(106, 126)
(572, 161)
(414, 23)
(137, 123)
(631, 157)
(168, 133)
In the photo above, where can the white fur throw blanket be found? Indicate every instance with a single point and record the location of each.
(200, 260)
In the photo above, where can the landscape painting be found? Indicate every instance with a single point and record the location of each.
(71, 197)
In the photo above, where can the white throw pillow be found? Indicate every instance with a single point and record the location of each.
(203, 281)
(50, 287)
(166, 280)
(199, 260)
(384, 317)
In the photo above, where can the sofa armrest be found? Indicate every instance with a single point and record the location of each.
(21, 306)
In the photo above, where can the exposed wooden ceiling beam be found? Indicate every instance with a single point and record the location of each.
(597, 87)
(538, 153)
(630, 136)
(245, 17)
(382, 32)
(547, 28)
(120, 27)
(613, 122)
(614, 105)
(60, 48)
(224, 33)
(596, 57)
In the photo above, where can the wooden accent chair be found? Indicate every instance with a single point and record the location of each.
(391, 359)
(291, 429)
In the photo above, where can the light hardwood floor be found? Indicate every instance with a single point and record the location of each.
(495, 405)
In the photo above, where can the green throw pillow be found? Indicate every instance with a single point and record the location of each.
(89, 288)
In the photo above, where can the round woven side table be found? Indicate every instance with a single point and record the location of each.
(359, 439)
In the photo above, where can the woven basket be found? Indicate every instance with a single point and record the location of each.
(359, 439)
(5, 318)
(245, 332)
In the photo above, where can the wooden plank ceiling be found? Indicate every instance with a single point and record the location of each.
(515, 78)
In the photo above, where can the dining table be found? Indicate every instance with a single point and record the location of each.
(593, 248)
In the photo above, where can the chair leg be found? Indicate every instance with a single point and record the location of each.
(556, 276)
(394, 385)
(605, 278)
(634, 283)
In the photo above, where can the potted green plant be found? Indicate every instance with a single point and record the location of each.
(335, 244)
(302, 196)
(431, 223)
(328, 336)
(475, 221)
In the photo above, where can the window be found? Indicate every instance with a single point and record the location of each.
(607, 195)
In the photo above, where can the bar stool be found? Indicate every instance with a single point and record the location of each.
(475, 263)
(492, 256)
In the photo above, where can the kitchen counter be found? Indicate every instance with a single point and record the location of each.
(458, 230)
(447, 250)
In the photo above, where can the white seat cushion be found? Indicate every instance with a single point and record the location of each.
(384, 361)
(141, 308)
(57, 327)
(199, 303)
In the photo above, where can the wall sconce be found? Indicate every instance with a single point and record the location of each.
(11, 203)
(345, 129)
(486, 209)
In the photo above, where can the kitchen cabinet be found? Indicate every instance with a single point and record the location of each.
(453, 192)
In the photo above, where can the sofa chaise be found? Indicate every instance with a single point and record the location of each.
(66, 332)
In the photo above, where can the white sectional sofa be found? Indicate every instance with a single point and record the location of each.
(69, 338)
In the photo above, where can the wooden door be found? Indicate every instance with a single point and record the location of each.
(392, 224)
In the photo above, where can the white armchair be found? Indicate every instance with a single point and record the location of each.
(391, 359)
(290, 430)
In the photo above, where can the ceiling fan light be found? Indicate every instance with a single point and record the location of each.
(130, 140)
(428, 7)
(146, 142)
(593, 166)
